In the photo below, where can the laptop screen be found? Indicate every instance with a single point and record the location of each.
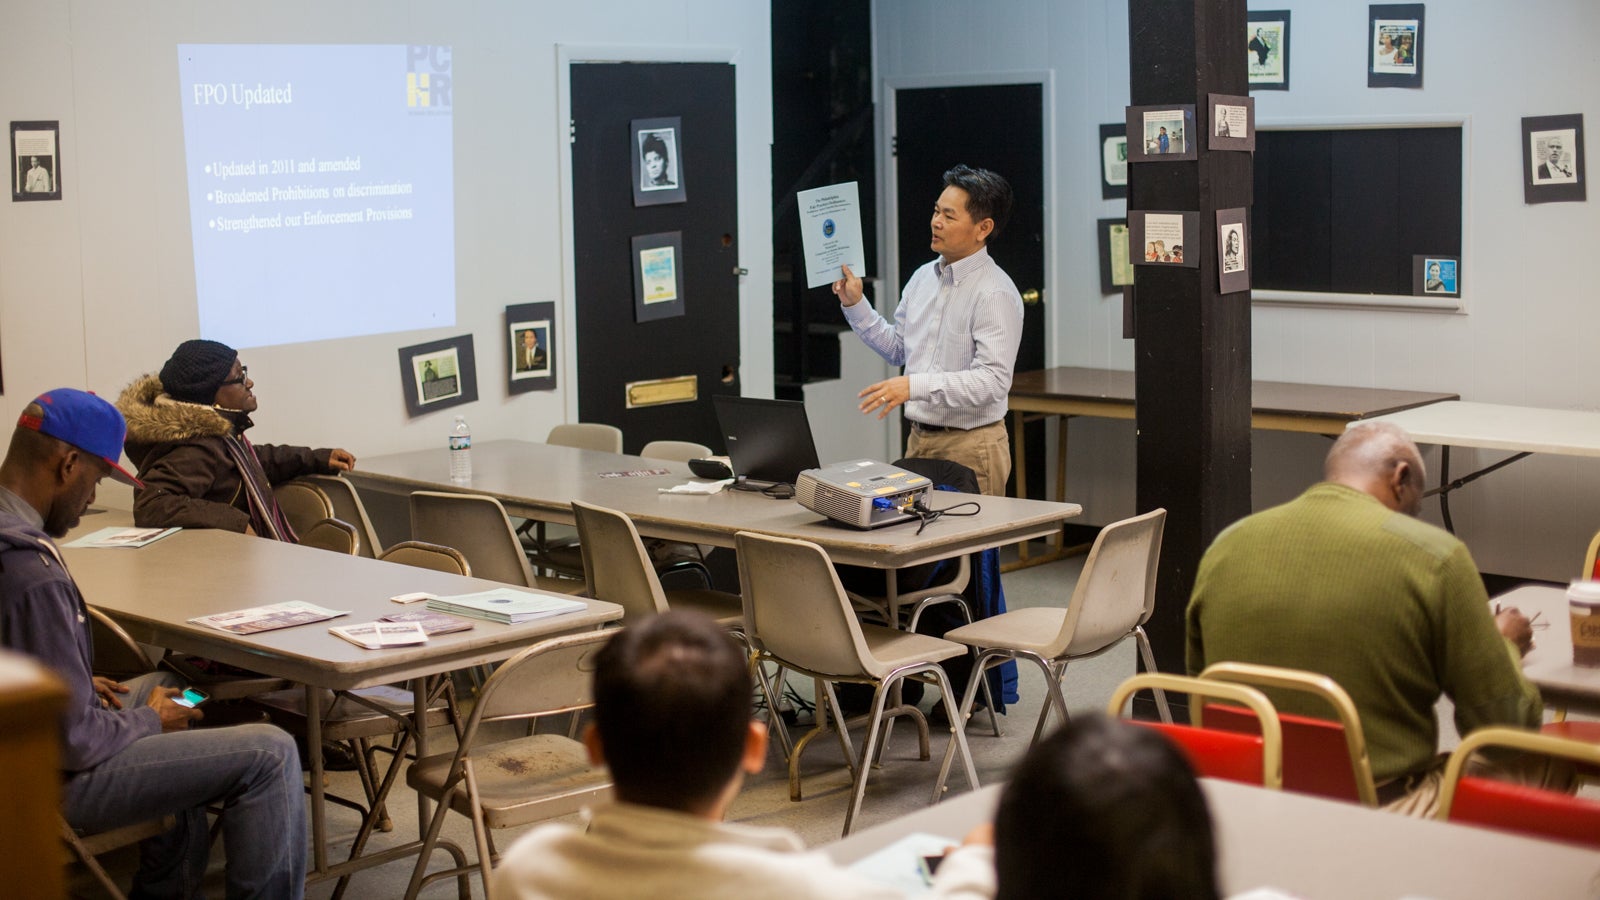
(767, 440)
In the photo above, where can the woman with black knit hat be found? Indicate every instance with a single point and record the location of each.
(186, 436)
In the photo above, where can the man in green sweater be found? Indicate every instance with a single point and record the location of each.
(1347, 582)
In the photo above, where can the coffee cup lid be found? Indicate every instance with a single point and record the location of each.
(1585, 592)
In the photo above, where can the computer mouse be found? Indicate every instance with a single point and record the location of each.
(710, 467)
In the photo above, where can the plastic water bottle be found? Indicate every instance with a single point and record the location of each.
(461, 452)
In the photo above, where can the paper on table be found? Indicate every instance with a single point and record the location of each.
(899, 864)
(122, 537)
(268, 618)
(830, 232)
(697, 487)
(377, 635)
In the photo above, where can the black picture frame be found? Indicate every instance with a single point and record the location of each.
(1540, 183)
(35, 161)
(1113, 161)
(1425, 283)
(1111, 232)
(438, 375)
(657, 136)
(538, 373)
(1230, 122)
(1233, 250)
(1267, 37)
(1155, 226)
(657, 272)
(1145, 124)
(1401, 24)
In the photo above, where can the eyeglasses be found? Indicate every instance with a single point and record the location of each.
(244, 373)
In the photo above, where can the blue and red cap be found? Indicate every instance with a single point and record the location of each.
(84, 421)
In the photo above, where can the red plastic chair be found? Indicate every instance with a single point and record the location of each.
(1517, 808)
(1320, 757)
(1248, 758)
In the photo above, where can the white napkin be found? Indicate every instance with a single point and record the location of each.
(697, 487)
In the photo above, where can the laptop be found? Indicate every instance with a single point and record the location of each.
(767, 440)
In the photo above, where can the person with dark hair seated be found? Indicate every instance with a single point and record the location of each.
(673, 723)
(1104, 809)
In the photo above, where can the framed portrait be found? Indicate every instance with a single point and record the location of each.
(1394, 45)
(1268, 35)
(1116, 267)
(1552, 159)
(1233, 250)
(657, 276)
(1161, 133)
(35, 161)
(1231, 122)
(1436, 275)
(657, 153)
(1113, 161)
(531, 348)
(438, 374)
(1162, 237)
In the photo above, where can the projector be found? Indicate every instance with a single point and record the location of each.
(865, 494)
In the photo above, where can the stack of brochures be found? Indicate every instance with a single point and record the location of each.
(377, 635)
(505, 605)
(433, 623)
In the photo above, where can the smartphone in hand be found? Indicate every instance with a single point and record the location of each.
(191, 697)
(929, 865)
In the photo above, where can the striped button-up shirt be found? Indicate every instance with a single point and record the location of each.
(956, 332)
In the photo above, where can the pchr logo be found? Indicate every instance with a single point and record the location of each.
(427, 76)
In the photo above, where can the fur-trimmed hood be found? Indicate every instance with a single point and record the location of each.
(155, 418)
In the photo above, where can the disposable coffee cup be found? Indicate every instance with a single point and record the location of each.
(1583, 600)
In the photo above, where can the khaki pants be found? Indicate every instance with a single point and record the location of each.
(1422, 792)
(986, 450)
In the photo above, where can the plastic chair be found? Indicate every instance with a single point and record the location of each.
(513, 782)
(1519, 808)
(1321, 757)
(670, 557)
(424, 555)
(1589, 557)
(86, 847)
(332, 534)
(303, 504)
(347, 507)
(586, 436)
(478, 527)
(676, 451)
(796, 614)
(1114, 597)
(116, 654)
(1249, 758)
(618, 571)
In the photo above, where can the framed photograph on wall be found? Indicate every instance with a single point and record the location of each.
(438, 375)
(657, 276)
(1233, 250)
(530, 353)
(1552, 159)
(1113, 161)
(1268, 34)
(1158, 237)
(1436, 275)
(35, 161)
(1161, 133)
(1231, 122)
(1394, 45)
(657, 153)
(1116, 267)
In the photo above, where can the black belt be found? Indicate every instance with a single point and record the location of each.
(923, 426)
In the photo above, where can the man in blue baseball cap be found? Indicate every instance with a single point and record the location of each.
(130, 762)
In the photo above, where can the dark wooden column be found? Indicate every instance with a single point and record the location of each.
(1192, 344)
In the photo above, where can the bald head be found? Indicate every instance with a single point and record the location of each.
(1382, 460)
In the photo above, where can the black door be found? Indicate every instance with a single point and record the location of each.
(996, 127)
(614, 350)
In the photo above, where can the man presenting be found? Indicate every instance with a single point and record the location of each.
(1345, 581)
(956, 332)
(127, 755)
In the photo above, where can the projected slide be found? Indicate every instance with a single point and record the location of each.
(319, 189)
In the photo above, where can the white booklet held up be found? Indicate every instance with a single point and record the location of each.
(830, 232)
